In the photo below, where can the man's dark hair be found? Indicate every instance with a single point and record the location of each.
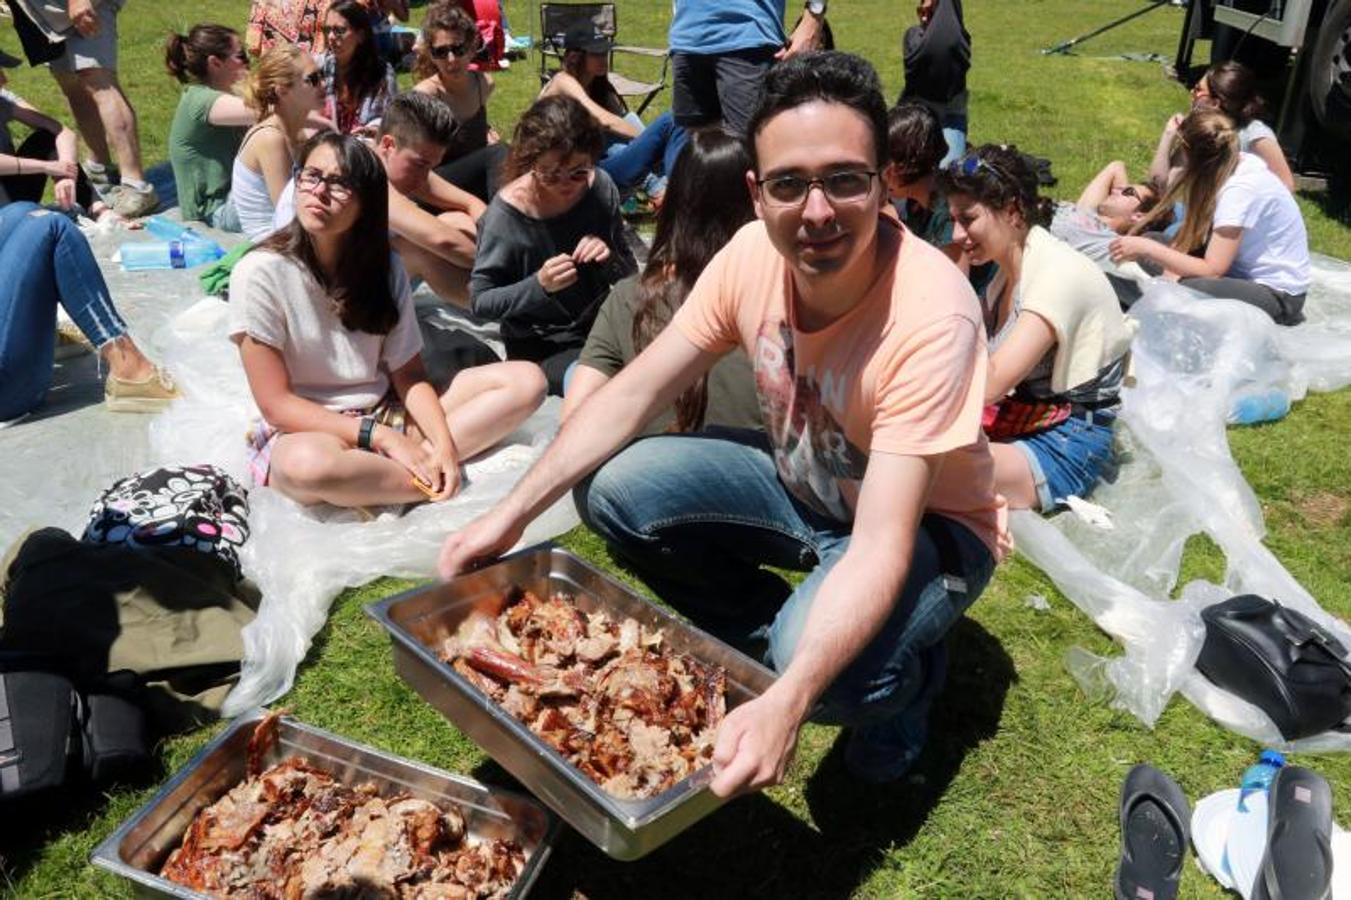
(915, 142)
(417, 118)
(831, 77)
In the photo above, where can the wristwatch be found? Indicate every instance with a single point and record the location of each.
(817, 8)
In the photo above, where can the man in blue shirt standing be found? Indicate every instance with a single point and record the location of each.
(720, 52)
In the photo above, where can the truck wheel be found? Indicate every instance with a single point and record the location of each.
(1330, 70)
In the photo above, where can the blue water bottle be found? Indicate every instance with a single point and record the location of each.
(168, 230)
(1258, 777)
(1266, 406)
(169, 255)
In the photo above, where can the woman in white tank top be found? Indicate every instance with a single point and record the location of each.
(284, 90)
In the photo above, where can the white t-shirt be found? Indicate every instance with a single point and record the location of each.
(1254, 131)
(1274, 249)
(276, 301)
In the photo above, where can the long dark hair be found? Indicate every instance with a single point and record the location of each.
(360, 286)
(366, 72)
(1234, 88)
(998, 177)
(558, 123)
(706, 202)
(186, 55)
(600, 90)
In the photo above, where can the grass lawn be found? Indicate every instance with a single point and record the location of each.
(1016, 795)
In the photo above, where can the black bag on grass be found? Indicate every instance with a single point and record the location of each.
(1279, 660)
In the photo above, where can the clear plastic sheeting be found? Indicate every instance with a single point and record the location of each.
(60, 460)
(1192, 357)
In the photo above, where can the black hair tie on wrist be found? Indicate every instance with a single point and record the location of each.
(365, 432)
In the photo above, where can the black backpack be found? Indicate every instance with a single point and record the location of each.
(1279, 660)
(52, 734)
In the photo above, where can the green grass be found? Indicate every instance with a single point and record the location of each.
(1016, 795)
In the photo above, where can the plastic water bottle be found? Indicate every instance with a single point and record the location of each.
(167, 230)
(1259, 406)
(1257, 778)
(169, 255)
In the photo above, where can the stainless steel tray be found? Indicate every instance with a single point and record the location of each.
(139, 847)
(420, 619)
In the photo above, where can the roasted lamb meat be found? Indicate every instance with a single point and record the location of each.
(633, 715)
(294, 832)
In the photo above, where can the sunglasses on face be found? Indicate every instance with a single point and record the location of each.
(338, 187)
(335, 31)
(312, 79)
(442, 51)
(239, 55)
(1130, 191)
(556, 176)
(839, 187)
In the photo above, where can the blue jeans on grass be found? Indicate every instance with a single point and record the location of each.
(698, 515)
(654, 150)
(45, 260)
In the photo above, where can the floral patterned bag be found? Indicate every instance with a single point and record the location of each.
(199, 507)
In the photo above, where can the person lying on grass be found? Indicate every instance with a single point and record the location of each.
(1109, 206)
(1242, 235)
(324, 321)
(872, 472)
(1058, 339)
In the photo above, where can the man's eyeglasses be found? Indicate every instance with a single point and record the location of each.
(442, 51)
(839, 187)
(313, 79)
(556, 176)
(338, 187)
(335, 31)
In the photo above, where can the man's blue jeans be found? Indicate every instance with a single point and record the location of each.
(698, 515)
(45, 260)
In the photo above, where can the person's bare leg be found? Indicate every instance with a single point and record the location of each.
(118, 118)
(320, 468)
(86, 113)
(125, 360)
(486, 403)
(1013, 477)
(447, 281)
(463, 238)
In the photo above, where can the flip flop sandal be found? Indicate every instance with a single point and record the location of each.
(1298, 863)
(1154, 835)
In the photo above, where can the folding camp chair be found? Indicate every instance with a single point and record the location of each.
(556, 18)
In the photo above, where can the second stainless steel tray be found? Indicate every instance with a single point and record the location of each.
(419, 620)
(138, 848)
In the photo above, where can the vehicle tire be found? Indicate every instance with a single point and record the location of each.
(1330, 70)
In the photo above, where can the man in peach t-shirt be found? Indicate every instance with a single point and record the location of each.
(873, 473)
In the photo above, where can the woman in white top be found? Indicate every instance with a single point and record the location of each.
(325, 325)
(1240, 219)
(1058, 339)
(284, 90)
(1231, 88)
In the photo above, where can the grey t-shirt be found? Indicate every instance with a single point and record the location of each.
(732, 400)
(512, 246)
(1084, 231)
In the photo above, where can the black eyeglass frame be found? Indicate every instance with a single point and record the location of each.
(821, 181)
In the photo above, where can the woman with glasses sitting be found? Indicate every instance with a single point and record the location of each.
(324, 320)
(551, 244)
(358, 83)
(635, 154)
(283, 91)
(474, 155)
(1058, 339)
(209, 122)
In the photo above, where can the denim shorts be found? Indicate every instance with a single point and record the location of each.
(1069, 459)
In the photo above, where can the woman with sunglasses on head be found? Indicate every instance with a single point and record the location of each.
(633, 151)
(474, 155)
(1230, 87)
(324, 320)
(1242, 235)
(284, 90)
(209, 123)
(358, 83)
(707, 203)
(1058, 340)
(552, 243)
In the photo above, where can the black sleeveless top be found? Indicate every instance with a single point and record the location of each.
(472, 133)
